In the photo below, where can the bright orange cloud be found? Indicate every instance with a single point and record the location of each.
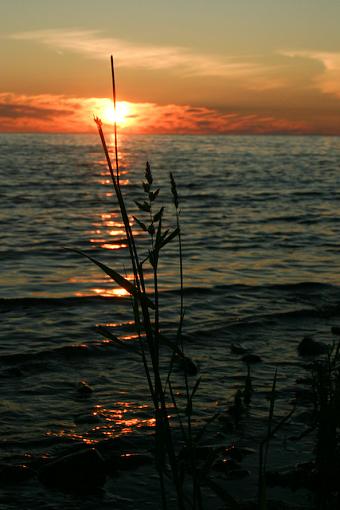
(48, 113)
(52, 113)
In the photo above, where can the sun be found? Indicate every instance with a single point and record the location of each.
(124, 115)
(110, 115)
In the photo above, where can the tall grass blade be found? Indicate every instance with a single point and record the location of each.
(106, 333)
(169, 238)
(114, 97)
(227, 499)
(119, 279)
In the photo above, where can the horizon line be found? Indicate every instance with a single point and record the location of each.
(212, 133)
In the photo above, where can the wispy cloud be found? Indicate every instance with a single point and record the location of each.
(92, 44)
(327, 80)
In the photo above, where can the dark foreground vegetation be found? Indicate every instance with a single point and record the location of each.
(193, 467)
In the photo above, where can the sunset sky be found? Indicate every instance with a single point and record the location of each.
(185, 66)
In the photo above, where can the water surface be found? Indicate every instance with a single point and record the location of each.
(261, 229)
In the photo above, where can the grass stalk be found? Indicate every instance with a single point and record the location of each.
(263, 451)
(187, 437)
(147, 322)
(114, 97)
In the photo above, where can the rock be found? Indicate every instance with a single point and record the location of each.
(187, 365)
(127, 461)
(80, 471)
(300, 476)
(126, 444)
(15, 473)
(248, 388)
(114, 444)
(239, 452)
(309, 366)
(306, 417)
(251, 358)
(87, 418)
(335, 330)
(309, 347)
(304, 380)
(228, 425)
(304, 394)
(225, 465)
(236, 410)
(84, 388)
(201, 453)
(135, 460)
(238, 349)
(237, 474)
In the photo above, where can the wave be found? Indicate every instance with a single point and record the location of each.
(73, 351)
(37, 302)
(212, 311)
(229, 289)
(323, 312)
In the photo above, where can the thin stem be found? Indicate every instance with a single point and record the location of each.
(172, 395)
(163, 493)
(156, 299)
(163, 429)
(114, 95)
(181, 316)
(129, 236)
(180, 341)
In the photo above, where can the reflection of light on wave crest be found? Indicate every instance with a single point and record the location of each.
(123, 419)
(118, 232)
(119, 292)
(109, 246)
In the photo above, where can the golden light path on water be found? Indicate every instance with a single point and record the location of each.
(122, 419)
(107, 233)
(108, 230)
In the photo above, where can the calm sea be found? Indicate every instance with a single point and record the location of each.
(261, 233)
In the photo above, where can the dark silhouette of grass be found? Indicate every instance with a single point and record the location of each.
(171, 463)
(176, 460)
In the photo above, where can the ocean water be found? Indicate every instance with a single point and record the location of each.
(261, 233)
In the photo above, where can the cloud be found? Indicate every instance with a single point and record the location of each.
(185, 119)
(16, 111)
(57, 113)
(42, 113)
(92, 44)
(327, 79)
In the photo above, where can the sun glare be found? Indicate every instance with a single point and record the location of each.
(109, 115)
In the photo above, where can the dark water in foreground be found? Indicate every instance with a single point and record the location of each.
(261, 227)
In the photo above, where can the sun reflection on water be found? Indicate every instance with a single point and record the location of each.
(111, 246)
(126, 416)
(116, 232)
(66, 434)
(117, 292)
(108, 231)
(97, 240)
(106, 216)
(103, 422)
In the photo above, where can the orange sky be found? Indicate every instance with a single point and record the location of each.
(48, 113)
(258, 66)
